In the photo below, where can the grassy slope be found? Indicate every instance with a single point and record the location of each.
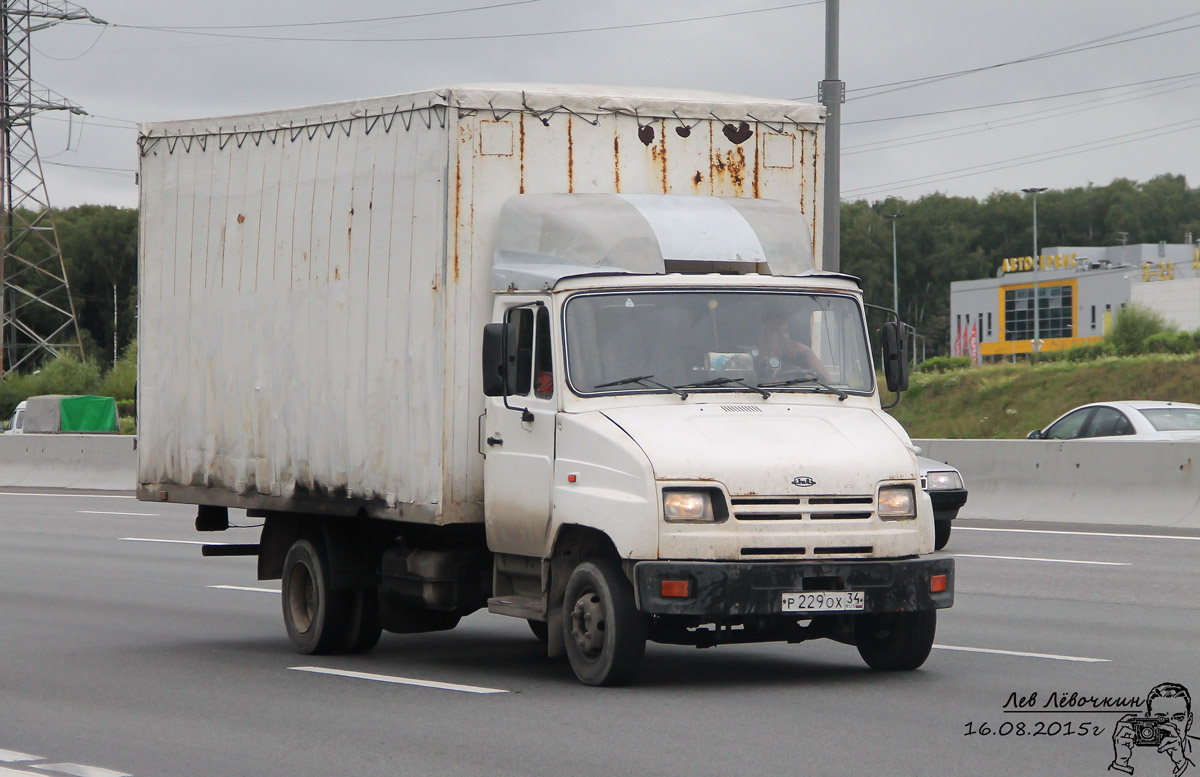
(1006, 401)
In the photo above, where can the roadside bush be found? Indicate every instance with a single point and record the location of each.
(64, 375)
(1132, 327)
(1089, 352)
(67, 375)
(121, 381)
(1170, 342)
(944, 364)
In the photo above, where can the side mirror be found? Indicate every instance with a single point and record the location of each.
(895, 357)
(1036, 434)
(495, 365)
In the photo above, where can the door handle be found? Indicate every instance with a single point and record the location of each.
(494, 441)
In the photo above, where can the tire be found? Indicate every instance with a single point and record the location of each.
(941, 534)
(604, 634)
(363, 630)
(540, 629)
(317, 618)
(895, 641)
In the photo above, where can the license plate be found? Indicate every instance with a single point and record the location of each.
(824, 601)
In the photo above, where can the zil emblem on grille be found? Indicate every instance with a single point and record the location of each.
(803, 481)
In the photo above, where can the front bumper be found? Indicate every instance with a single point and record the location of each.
(734, 589)
(946, 504)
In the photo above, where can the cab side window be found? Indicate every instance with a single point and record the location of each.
(543, 367)
(531, 362)
(520, 359)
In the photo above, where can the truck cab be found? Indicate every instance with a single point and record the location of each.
(17, 424)
(711, 438)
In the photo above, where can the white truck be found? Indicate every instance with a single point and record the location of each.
(558, 352)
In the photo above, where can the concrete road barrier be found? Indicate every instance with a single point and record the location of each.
(1081, 481)
(101, 462)
(1144, 483)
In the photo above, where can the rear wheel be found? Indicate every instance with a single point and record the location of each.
(895, 641)
(316, 617)
(604, 634)
(363, 629)
(941, 533)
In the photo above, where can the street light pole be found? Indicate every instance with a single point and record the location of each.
(832, 93)
(895, 275)
(1037, 312)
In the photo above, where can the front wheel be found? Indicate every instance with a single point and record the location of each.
(895, 641)
(604, 634)
(941, 533)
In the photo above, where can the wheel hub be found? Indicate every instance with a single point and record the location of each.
(302, 598)
(589, 623)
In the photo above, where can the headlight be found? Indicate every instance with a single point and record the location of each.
(679, 506)
(897, 503)
(942, 481)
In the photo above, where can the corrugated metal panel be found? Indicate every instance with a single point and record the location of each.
(273, 363)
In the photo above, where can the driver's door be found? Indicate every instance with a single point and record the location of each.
(519, 438)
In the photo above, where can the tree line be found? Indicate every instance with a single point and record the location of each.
(940, 239)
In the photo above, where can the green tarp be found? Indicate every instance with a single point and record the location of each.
(56, 413)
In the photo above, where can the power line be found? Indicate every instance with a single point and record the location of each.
(1097, 43)
(1072, 49)
(1042, 156)
(95, 168)
(1022, 101)
(1012, 121)
(493, 36)
(403, 17)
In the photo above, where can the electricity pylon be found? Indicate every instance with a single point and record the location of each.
(37, 314)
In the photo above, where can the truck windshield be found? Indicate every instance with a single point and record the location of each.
(716, 341)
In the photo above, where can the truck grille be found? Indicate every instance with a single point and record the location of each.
(799, 508)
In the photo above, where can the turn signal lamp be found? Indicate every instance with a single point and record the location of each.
(937, 584)
(678, 589)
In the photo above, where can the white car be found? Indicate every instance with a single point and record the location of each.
(946, 490)
(1134, 420)
(17, 424)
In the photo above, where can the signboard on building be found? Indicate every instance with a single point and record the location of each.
(1045, 262)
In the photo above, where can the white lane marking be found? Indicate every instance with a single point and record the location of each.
(1081, 533)
(6, 772)
(12, 756)
(1033, 558)
(70, 496)
(105, 512)
(246, 588)
(80, 770)
(381, 678)
(1021, 654)
(173, 542)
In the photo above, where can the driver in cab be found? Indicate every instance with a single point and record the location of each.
(779, 357)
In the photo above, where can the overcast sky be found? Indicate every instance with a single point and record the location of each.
(1121, 108)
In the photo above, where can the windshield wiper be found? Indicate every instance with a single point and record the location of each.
(643, 380)
(841, 395)
(725, 382)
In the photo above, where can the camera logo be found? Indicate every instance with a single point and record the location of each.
(1163, 729)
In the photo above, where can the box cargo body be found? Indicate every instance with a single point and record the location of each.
(314, 282)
